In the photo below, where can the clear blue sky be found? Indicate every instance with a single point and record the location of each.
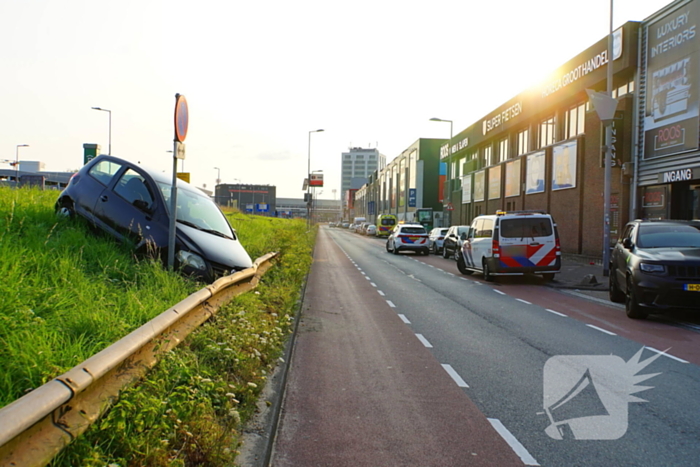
(259, 76)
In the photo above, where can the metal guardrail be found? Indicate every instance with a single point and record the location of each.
(36, 427)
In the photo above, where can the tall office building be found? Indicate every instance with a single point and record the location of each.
(358, 165)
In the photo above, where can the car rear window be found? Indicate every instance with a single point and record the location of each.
(413, 230)
(526, 227)
(388, 221)
(664, 236)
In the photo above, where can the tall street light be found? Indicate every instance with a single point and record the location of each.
(308, 179)
(109, 152)
(17, 162)
(448, 186)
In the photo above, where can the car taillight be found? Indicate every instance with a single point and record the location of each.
(496, 249)
(557, 246)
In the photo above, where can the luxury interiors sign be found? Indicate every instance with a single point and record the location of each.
(673, 57)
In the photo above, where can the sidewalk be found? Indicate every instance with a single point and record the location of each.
(579, 272)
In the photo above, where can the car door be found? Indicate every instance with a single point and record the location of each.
(90, 187)
(128, 206)
(468, 247)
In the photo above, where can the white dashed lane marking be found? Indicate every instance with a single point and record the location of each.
(498, 291)
(391, 304)
(601, 330)
(513, 442)
(404, 319)
(381, 293)
(666, 355)
(424, 341)
(455, 376)
(523, 301)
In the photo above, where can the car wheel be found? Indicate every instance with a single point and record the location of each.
(433, 249)
(632, 307)
(65, 209)
(462, 266)
(487, 272)
(444, 252)
(394, 249)
(548, 276)
(614, 292)
(387, 247)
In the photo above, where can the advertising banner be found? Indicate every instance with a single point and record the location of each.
(513, 178)
(535, 173)
(466, 189)
(673, 60)
(564, 166)
(479, 185)
(495, 182)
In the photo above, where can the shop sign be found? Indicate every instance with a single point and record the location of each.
(501, 118)
(680, 175)
(654, 197)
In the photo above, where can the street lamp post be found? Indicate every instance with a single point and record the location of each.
(109, 151)
(218, 181)
(17, 162)
(308, 179)
(448, 186)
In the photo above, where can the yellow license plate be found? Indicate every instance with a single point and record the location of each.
(692, 287)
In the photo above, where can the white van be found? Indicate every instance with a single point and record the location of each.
(511, 243)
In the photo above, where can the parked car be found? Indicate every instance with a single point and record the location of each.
(453, 241)
(132, 203)
(655, 266)
(371, 230)
(363, 228)
(436, 238)
(408, 237)
(345, 225)
(511, 244)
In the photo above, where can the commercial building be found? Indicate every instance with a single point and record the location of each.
(357, 165)
(544, 149)
(253, 199)
(668, 173)
(408, 183)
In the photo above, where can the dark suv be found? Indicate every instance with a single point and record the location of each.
(452, 244)
(655, 266)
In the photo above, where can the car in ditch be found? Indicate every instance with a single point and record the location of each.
(655, 267)
(132, 204)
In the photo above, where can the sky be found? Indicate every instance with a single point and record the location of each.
(258, 76)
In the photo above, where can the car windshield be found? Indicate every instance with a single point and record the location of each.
(668, 236)
(526, 227)
(197, 210)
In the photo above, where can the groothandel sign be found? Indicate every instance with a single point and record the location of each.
(680, 175)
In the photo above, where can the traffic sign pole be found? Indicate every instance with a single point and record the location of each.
(181, 124)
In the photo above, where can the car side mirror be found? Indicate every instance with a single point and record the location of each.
(627, 243)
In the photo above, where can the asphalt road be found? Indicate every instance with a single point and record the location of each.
(401, 360)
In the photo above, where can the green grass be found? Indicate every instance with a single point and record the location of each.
(69, 292)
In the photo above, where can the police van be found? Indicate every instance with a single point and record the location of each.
(511, 243)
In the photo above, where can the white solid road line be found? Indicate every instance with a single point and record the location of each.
(515, 445)
(404, 319)
(455, 376)
(665, 354)
(424, 341)
(601, 330)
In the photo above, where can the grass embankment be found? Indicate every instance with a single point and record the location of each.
(68, 293)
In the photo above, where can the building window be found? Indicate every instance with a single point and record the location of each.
(372, 157)
(546, 136)
(503, 153)
(575, 121)
(523, 142)
(488, 156)
(359, 156)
